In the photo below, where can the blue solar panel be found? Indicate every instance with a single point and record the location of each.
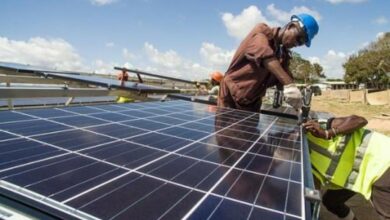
(154, 160)
(56, 101)
(82, 77)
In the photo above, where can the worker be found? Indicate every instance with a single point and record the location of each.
(216, 78)
(123, 77)
(261, 61)
(348, 159)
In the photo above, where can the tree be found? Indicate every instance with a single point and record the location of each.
(318, 70)
(370, 65)
(303, 71)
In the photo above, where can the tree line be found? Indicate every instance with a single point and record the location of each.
(370, 65)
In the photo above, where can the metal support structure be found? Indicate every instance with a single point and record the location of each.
(9, 101)
(160, 76)
(70, 100)
(139, 78)
(312, 195)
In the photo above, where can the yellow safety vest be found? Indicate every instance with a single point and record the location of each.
(123, 100)
(354, 161)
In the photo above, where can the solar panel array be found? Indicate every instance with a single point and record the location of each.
(88, 79)
(154, 160)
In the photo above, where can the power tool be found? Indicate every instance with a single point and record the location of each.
(306, 101)
(278, 98)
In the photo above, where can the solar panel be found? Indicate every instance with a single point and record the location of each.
(110, 83)
(56, 101)
(89, 79)
(154, 160)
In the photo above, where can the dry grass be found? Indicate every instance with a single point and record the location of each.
(341, 108)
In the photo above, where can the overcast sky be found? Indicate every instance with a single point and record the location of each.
(180, 38)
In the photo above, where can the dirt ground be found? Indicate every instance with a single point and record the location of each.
(378, 116)
(379, 120)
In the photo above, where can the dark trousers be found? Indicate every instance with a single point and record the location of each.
(334, 200)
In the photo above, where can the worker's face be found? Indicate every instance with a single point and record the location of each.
(294, 36)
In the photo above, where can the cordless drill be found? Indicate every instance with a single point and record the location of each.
(306, 100)
(278, 98)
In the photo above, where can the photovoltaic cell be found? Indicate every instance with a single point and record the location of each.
(153, 160)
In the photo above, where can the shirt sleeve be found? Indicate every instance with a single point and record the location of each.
(214, 90)
(258, 49)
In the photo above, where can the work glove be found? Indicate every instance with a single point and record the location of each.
(293, 96)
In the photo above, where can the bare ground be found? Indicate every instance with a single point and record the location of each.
(378, 116)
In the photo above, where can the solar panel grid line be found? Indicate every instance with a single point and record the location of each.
(121, 122)
(60, 174)
(47, 201)
(144, 165)
(202, 191)
(237, 138)
(276, 126)
(148, 131)
(82, 182)
(287, 193)
(240, 169)
(201, 160)
(197, 161)
(9, 139)
(54, 146)
(162, 185)
(126, 109)
(11, 122)
(216, 145)
(174, 136)
(233, 184)
(285, 213)
(139, 200)
(25, 158)
(159, 122)
(84, 128)
(141, 175)
(259, 190)
(219, 181)
(251, 153)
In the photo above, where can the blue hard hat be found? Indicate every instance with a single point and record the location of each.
(309, 24)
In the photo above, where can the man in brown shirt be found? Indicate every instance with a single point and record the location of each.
(262, 60)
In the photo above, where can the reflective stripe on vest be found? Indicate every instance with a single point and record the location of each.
(358, 159)
(335, 157)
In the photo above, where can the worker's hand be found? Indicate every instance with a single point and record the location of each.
(293, 96)
(314, 128)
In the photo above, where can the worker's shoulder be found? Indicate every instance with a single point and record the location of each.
(262, 29)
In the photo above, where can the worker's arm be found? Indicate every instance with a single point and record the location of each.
(272, 64)
(214, 90)
(262, 54)
(346, 125)
(341, 125)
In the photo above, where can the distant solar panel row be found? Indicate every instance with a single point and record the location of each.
(56, 101)
(154, 160)
(88, 79)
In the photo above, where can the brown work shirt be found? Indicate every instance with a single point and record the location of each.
(246, 79)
